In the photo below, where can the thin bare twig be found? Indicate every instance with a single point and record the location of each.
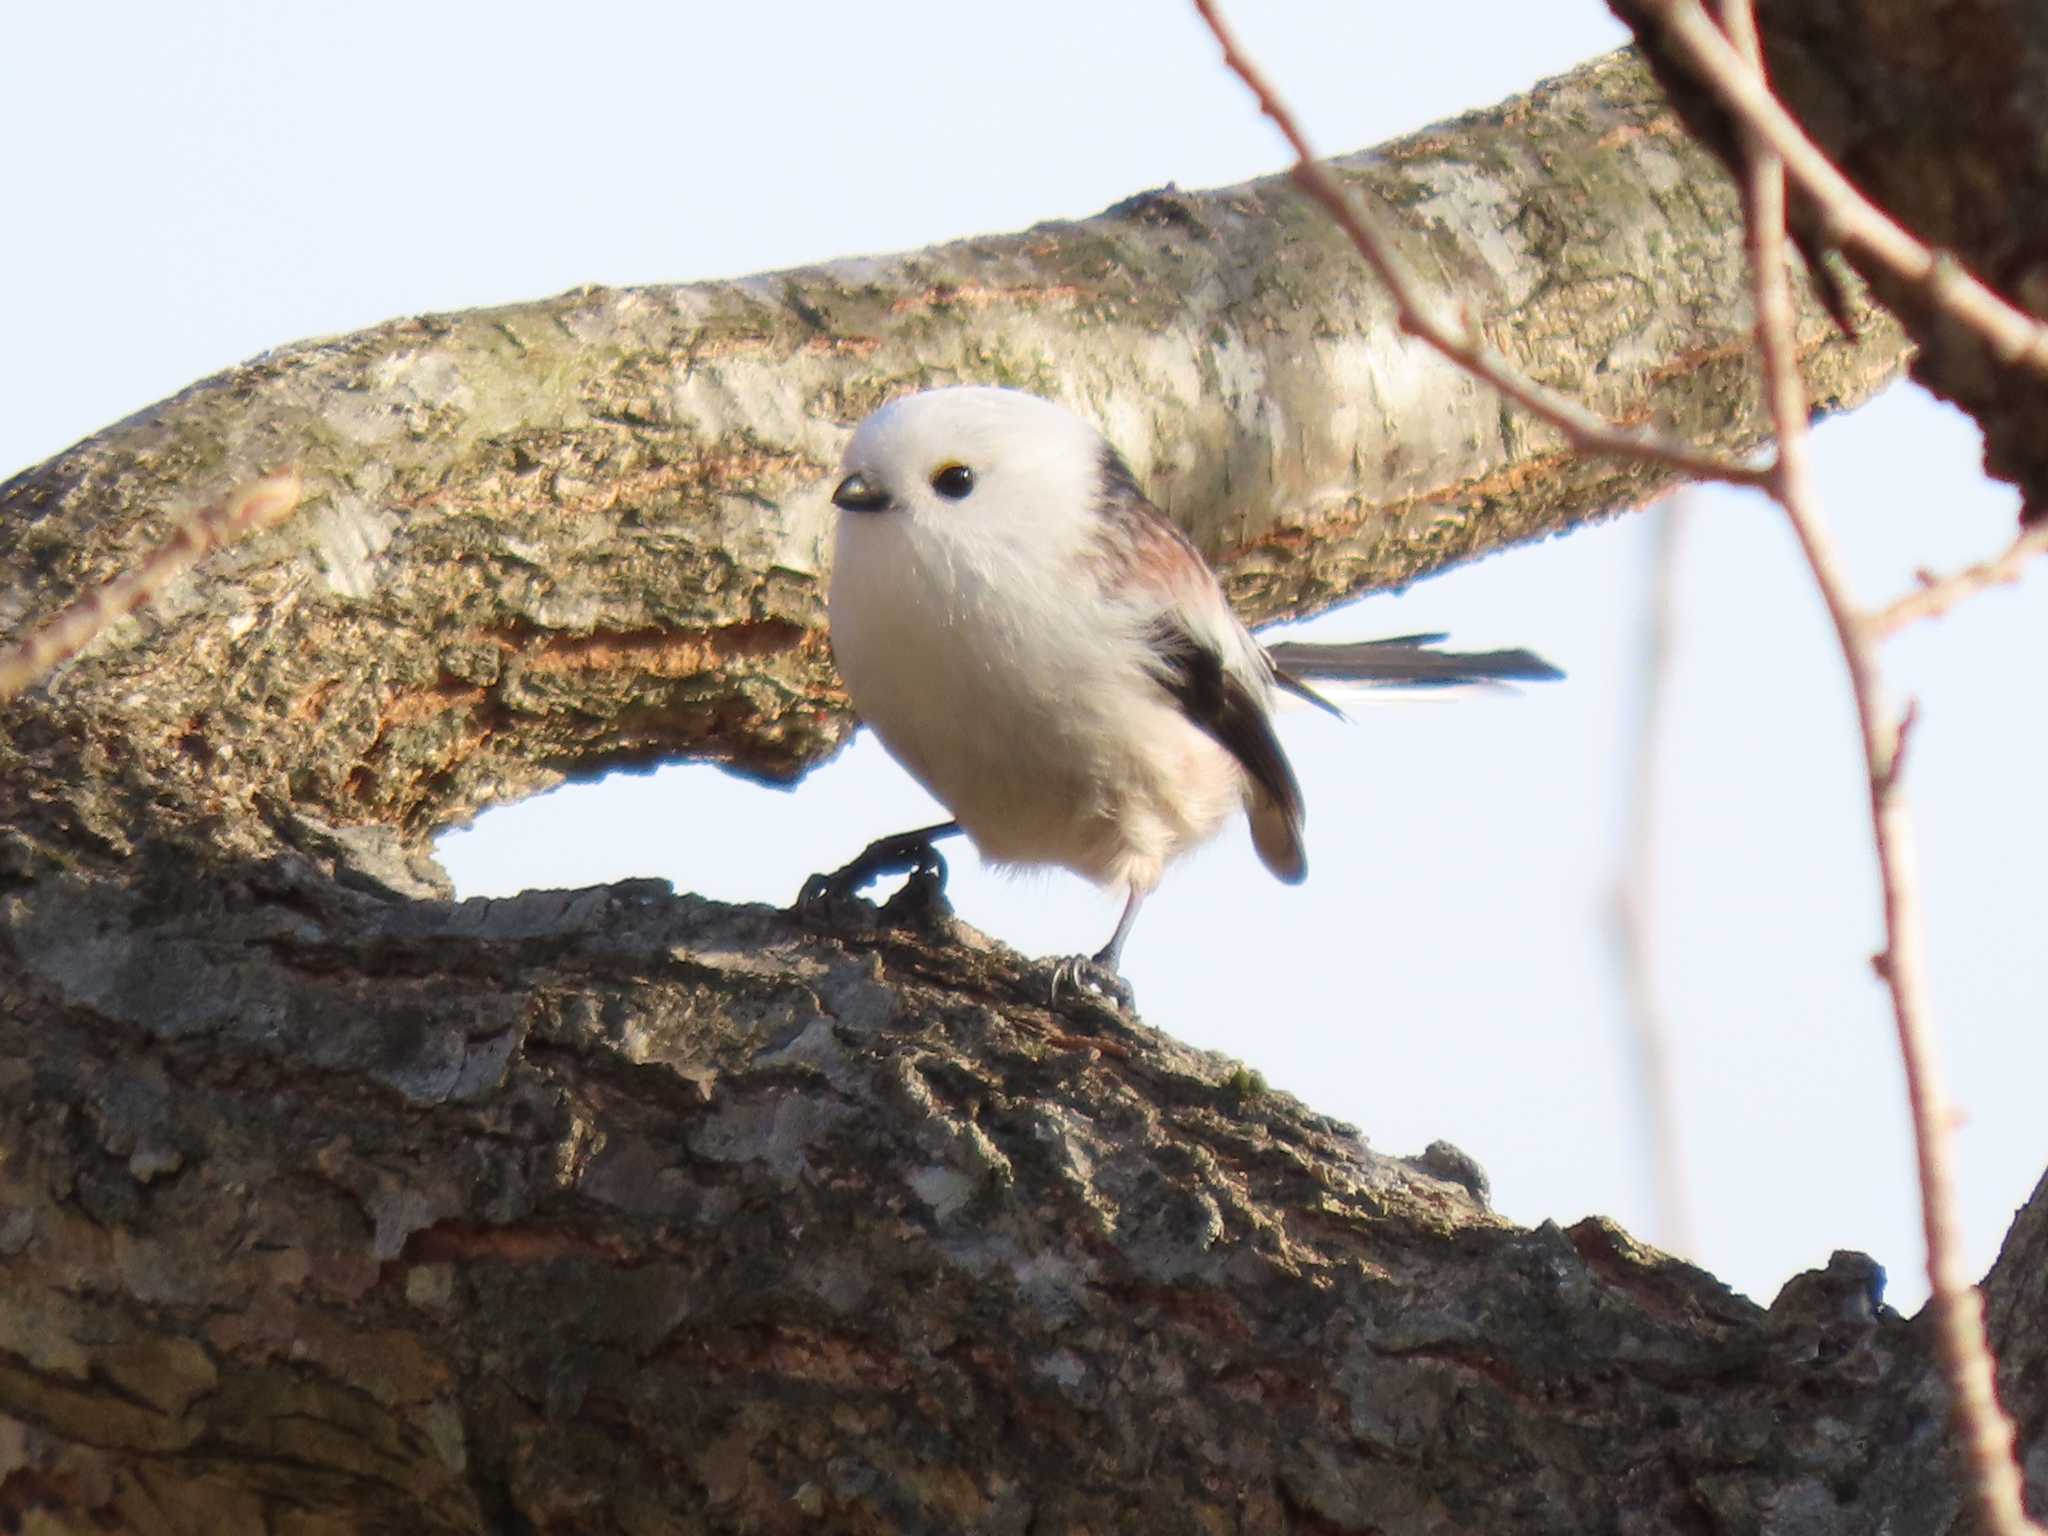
(1992, 1476)
(1852, 220)
(257, 505)
(1635, 897)
(1460, 342)
(1937, 595)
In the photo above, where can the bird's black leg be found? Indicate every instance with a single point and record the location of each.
(1098, 973)
(908, 853)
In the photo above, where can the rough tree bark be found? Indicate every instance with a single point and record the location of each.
(1935, 113)
(329, 1204)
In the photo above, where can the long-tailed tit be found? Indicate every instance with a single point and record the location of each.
(1050, 657)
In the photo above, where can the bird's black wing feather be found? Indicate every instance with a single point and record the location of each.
(1222, 704)
(1147, 552)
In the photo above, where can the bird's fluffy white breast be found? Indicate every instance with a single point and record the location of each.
(977, 643)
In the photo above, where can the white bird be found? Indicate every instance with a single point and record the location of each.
(1048, 655)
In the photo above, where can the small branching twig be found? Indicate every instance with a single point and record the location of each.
(1992, 1475)
(1460, 341)
(1851, 219)
(258, 505)
(1939, 594)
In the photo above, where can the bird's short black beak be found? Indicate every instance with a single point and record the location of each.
(857, 493)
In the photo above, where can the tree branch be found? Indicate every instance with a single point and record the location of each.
(1461, 343)
(614, 1211)
(1903, 136)
(1937, 595)
(264, 504)
(565, 536)
(1859, 225)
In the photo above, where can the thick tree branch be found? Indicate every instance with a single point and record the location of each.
(615, 1211)
(566, 535)
(1932, 116)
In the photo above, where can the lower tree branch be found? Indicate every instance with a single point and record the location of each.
(615, 1211)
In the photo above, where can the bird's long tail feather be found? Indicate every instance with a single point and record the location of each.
(1403, 661)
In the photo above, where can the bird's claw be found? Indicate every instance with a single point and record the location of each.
(1090, 974)
(905, 853)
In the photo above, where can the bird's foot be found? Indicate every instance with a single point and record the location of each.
(908, 853)
(1092, 974)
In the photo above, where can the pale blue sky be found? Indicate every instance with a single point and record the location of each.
(191, 185)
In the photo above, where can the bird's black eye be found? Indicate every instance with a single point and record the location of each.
(953, 481)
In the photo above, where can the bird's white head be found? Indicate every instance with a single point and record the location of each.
(975, 463)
